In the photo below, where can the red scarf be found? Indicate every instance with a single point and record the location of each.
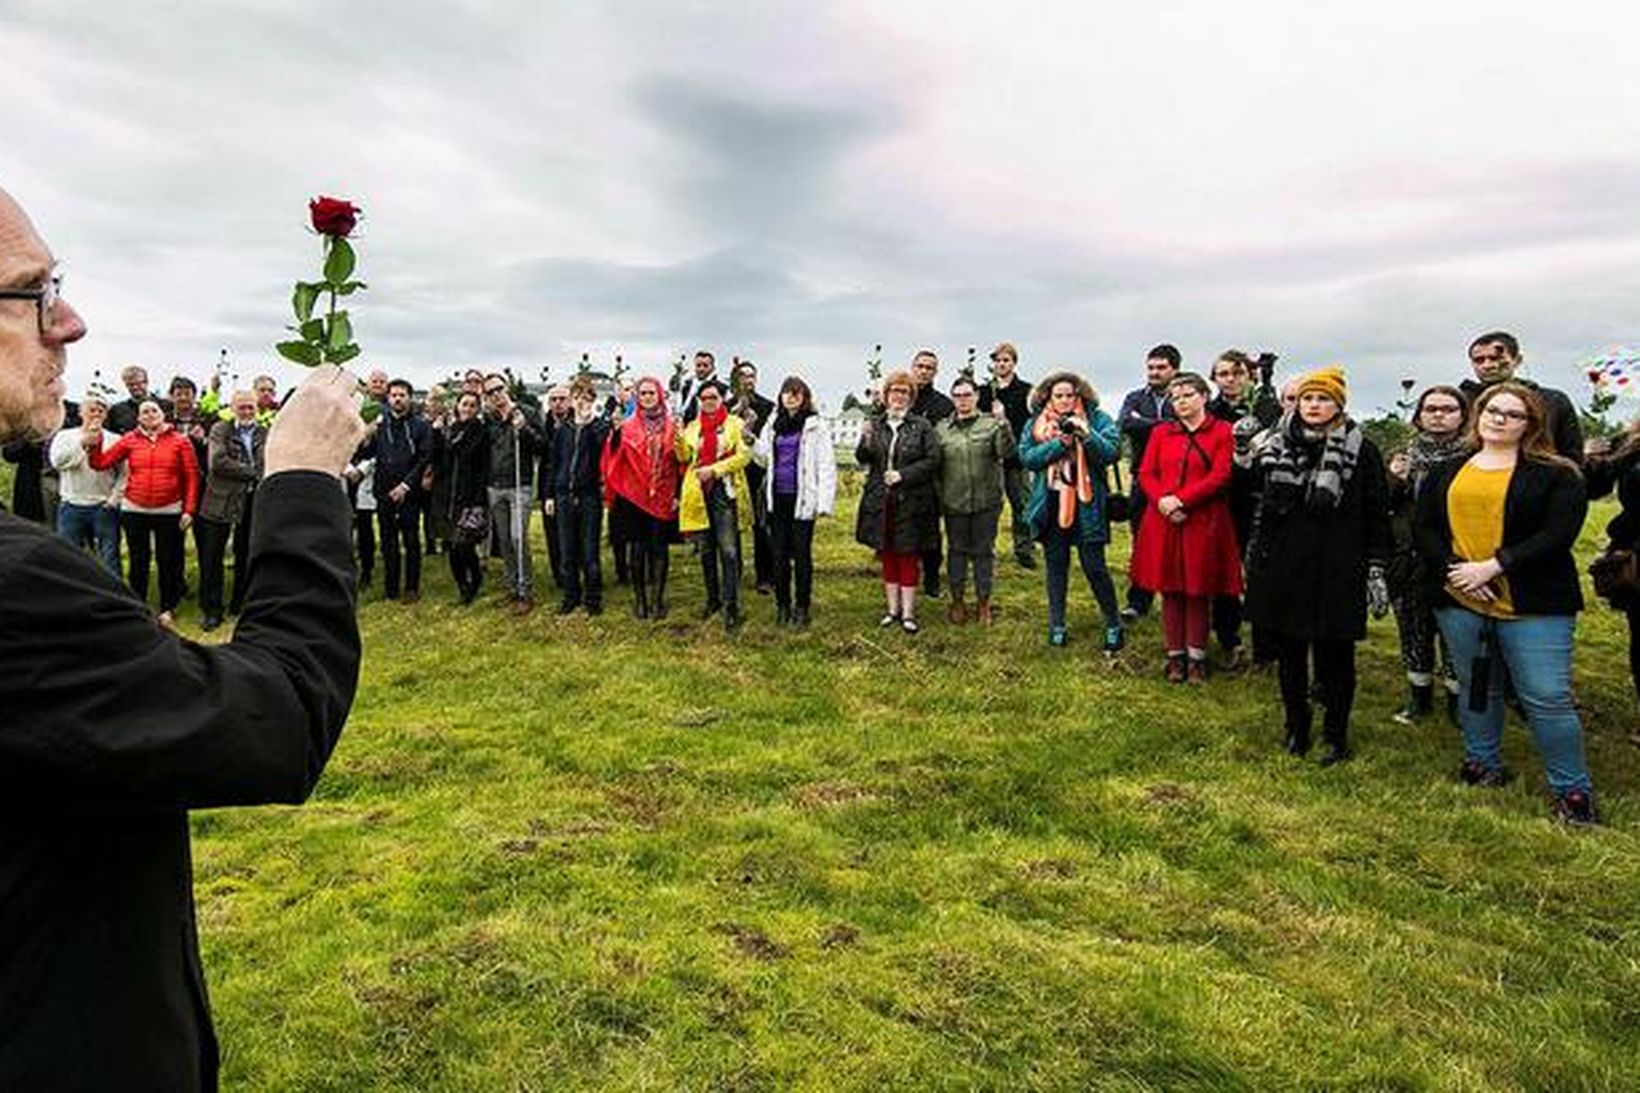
(641, 466)
(710, 423)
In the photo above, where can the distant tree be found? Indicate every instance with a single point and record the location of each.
(1388, 431)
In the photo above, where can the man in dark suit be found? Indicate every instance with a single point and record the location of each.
(233, 453)
(115, 727)
(756, 411)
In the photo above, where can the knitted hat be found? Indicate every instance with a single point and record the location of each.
(1328, 381)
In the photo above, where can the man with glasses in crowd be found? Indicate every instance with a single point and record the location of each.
(515, 441)
(116, 727)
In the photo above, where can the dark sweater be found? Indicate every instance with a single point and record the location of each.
(1543, 513)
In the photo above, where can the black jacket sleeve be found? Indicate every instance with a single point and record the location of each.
(106, 711)
(1565, 506)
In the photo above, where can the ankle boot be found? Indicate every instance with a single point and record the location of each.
(957, 613)
(985, 617)
(659, 568)
(1420, 703)
(1338, 747)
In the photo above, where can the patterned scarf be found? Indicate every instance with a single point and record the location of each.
(1426, 452)
(1308, 468)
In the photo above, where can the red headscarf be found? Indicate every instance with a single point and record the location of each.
(641, 466)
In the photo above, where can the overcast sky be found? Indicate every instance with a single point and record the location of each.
(1370, 184)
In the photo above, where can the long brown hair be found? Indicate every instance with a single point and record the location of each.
(1535, 443)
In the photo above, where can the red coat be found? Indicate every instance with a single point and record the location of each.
(163, 470)
(1199, 556)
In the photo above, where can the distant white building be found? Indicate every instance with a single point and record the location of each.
(845, 428)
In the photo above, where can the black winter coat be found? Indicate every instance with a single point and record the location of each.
(904, 518)
(462, 462)
(1543, 514)
(113, 729)
(1307, 571)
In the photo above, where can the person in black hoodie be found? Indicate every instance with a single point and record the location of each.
(1495, 533)
(578, 498)
(558, 414)
(402, 446)
(1496, 357)
(462, 459)
(933, 408)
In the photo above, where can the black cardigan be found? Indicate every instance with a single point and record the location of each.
(1542, 515)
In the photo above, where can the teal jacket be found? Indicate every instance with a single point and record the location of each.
(1102, 444)
(971, 457)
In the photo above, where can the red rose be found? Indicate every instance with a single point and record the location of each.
(333, 216)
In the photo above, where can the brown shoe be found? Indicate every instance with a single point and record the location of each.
(1197, 672)
(523, 606)
(957, 612)
(983, 612)
(1176, 672)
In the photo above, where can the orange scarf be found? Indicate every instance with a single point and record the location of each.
(1067, 477)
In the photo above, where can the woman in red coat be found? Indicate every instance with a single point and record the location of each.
(1187, 552)
(160, 495)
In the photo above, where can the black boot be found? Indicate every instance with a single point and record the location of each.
(782, 614)
(1420, 704)
(1452, 706)
(1298, 738)
(1338, 746)
(800, 618)
(640, 586)
(660, 564)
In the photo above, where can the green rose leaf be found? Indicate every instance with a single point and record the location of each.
(339, 262)
(370, 411)
(300, 352)
(303, 300)
(341, 331)
(350, 288)
(342, 355)
(313, 331)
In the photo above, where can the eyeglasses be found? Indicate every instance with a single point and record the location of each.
(1497, 414)
(45, 298)
(494, 390)
(1437, 408)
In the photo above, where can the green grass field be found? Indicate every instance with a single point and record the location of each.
(605, 854)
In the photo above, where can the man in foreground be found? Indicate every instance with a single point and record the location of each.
(114, 728)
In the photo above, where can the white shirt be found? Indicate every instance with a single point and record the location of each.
(77, 482)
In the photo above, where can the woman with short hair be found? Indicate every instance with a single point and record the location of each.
(899, 515)
(800, 485)
(1186, 548)
(1496, 532)
(973, 449)
(1068, 445)
(161, 492)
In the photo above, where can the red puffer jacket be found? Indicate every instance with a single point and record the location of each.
(163, 470)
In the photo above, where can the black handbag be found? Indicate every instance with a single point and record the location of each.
(472, 524)
(1118, 506)
(1616, 575)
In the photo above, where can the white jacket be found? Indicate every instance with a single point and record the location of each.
(816, 468)
(77, 483)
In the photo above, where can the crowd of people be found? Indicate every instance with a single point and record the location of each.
(1252, 506)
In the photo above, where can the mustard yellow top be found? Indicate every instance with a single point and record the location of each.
(1474, 511)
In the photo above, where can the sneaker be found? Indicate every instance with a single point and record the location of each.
(1575, 806)
(909, 625)
(1114, 639)
(1176, 670)
(1474, 773)
(888, 620)
(1235, 658)
(1197, 670)
(1057, 636)
(1131, 615)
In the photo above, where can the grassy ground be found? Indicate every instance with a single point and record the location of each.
(603, 854)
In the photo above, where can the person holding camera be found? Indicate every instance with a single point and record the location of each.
(1068, 444)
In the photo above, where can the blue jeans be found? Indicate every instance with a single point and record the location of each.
(94, 526)
(720, 548)
(1537, 651)
(1056, 552)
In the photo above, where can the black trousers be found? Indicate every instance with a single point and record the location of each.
(1139, 599)
(151, 537)
(791, 543)
(401, 538)
(555, 549)
(466, 568)
(212, 538)
(1334, 670)
(364, 543)
(1633, 614)
(1227, 615)
(762, 533)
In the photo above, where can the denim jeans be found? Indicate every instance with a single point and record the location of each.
(510, 517)
(1537, 651)
(580, 535)
(94, 526)
(1056, 551)
(720, 547)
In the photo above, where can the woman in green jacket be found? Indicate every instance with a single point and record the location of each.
(973, 448)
